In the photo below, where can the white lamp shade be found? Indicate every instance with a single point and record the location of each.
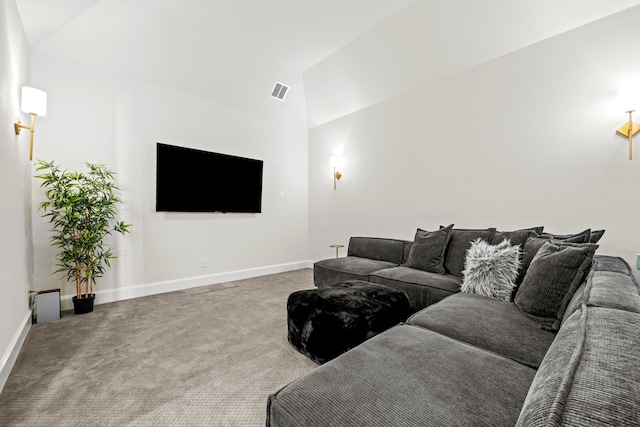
(336, 162)
(34, 101)
(629, 97)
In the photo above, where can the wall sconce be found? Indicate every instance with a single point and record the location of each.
(336, 163)
(34, 102)
(628, 98)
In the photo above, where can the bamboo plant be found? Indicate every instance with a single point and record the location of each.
(82, 210)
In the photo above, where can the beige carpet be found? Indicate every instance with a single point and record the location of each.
(207, 356)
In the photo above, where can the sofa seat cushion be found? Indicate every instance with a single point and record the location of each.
(497, 326)
(332, 271)
(590, 374)
(422, 288)
(406, 376)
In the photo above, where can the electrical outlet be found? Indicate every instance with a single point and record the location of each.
(203, 263)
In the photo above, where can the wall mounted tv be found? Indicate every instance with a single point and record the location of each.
(189, 180)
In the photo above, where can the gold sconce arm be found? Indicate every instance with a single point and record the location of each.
(336, 175)
(336, 162)
(17, 125)
(629, 129)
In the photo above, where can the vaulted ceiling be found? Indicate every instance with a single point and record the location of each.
(192, 44)
(296, 33)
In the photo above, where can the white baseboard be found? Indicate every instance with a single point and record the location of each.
(119, 294)
(10, 356)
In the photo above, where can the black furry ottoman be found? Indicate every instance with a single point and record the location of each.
(324, 323)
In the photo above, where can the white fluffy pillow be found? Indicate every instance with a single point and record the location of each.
(491, 270)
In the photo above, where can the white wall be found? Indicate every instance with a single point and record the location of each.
(429, 40)
(100, 115)
(526, 139)
(15, 190)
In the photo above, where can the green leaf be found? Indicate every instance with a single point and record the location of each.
(82, 208)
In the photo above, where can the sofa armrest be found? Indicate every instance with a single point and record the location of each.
(389, 250)
(590, 374)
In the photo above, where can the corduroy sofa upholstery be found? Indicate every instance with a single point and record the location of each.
(469, 360)
(381, 261)
(387, 262)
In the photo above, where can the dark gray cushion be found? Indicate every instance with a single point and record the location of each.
(596, 235)
(422, 288)
(427, 251)
(555, 273)
(531, 247)
(389, 250)
(517, 237)
(590, 374)
(406, 376)
(581, 237)
(336, 270)
(407, 251)
(494, 325)
(459, 242)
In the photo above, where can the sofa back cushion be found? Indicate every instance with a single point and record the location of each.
(590, 374)
(529, 250)
(581, 237)
(554, 275)
(389, 250)
(517, 237)
(407, 251)
(596, 235)
(459, 242)
(427, 251)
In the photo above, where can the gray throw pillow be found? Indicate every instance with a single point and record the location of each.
(491, 270)
(581, 237)
(516, 237)
(459, 242)
(551, 280)
(596, 235)
(529, 250)
(427, 250)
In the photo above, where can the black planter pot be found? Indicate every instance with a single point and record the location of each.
(83, 305)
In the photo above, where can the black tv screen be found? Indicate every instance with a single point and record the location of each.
(189, 180)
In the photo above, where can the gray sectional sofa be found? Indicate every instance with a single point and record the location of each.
(385, 262)
(471, 360)
(381, 261)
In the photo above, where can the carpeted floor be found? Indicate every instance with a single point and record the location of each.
(206, 356)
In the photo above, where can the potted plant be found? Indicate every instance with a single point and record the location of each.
(81, 208)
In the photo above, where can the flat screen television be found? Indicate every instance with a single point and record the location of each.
(190, 180)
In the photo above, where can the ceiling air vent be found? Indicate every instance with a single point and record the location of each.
(279, 91)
